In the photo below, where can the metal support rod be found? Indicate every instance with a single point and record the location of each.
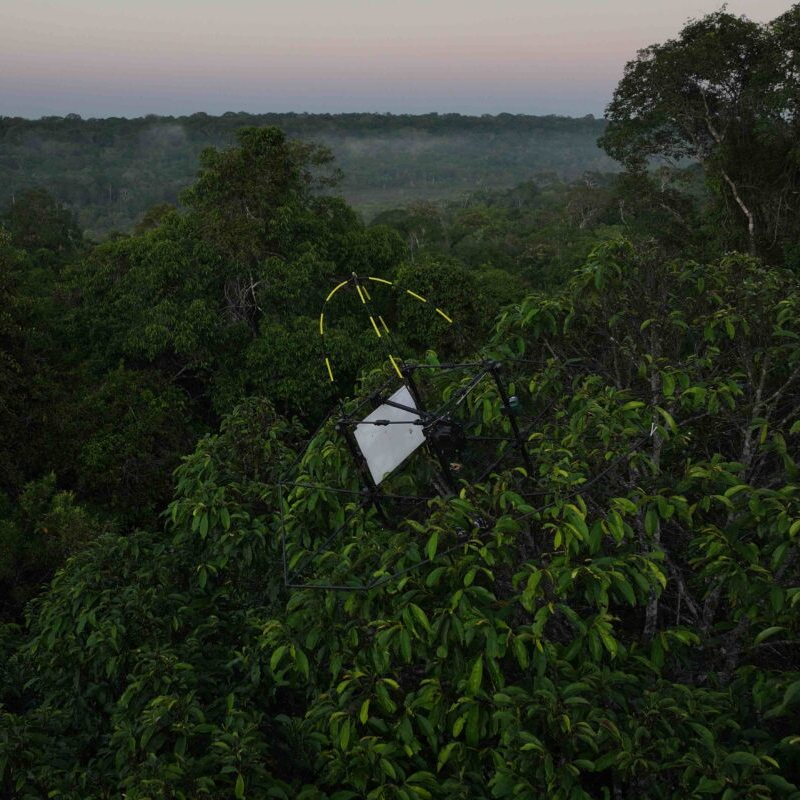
(447, 473)
(371, 487)
(488, 471)
(494, 368)
(419, 412)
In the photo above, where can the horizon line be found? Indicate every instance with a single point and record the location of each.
(77, 117)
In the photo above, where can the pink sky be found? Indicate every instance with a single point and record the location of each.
(128, 58)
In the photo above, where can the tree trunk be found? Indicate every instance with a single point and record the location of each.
(751, 223)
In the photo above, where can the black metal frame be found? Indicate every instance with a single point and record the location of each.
(370, 495)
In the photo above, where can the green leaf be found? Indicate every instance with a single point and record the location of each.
(608, 640)
(472, 730)
(704, 733)
(430, 547)
(629, 406)
(388, 769)
(651, 521)
(434, 575)
(708, 786)
(277, 655)
(405, 645)
(574, 517)
(668, 418)
(521, 652)
(767, 632)
(777, 598)
(743, 759)
(239, 791)
(627, 590)
(302, 661)
(444, 755)
(420, 616)
(616, 526)
(792, 691)
(734, 490)
(779, 783)
(475, 677)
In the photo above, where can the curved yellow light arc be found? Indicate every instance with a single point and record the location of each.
(364, 296)
(336, 289)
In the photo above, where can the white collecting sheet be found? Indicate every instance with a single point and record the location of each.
(385, 447)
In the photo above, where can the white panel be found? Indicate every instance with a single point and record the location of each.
(385, 447)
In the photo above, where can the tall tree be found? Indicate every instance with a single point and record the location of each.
(724, 93)
(254, 202)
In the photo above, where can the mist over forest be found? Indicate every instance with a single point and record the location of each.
(409, 457)
(110, 171)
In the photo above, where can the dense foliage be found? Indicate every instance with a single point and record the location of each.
(626, 625)
(541, 230)
(618, 620)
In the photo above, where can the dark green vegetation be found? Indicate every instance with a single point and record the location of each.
(626, 622)
(726, 95)
(111, 171)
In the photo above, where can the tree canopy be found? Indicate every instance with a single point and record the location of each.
(724, 93)
(625, 625)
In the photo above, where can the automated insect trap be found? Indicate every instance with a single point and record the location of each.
(415, 441)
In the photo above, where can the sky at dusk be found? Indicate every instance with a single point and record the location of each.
(133, 57)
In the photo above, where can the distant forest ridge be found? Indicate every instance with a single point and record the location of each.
(110, 171)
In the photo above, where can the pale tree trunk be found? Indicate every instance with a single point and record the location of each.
(751, 223)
